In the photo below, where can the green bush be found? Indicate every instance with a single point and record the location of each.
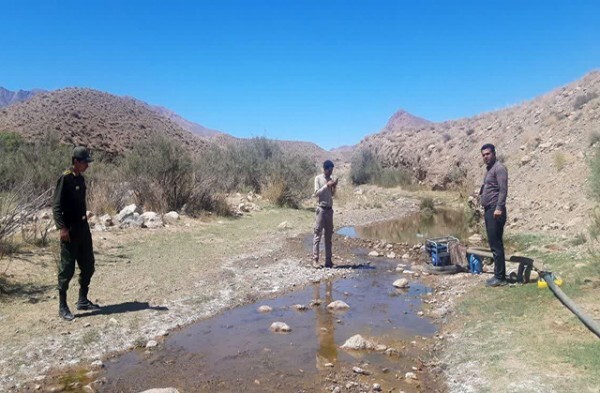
(364, 167)
(39, 164)
(160, 173)
(392, 177)
(594, 175)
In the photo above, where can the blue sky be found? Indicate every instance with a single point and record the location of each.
(330, 72)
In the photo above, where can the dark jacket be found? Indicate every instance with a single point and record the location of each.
(69, 208)
(495, 187)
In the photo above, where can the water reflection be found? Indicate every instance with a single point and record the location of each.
(327, 352)
(414, 228)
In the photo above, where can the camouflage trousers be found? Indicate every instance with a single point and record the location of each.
(323, 222)
(80, 249)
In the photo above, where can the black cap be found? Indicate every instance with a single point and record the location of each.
(328, 164)
(82, 154)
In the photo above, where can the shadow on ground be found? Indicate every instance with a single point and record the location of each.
(122, 308)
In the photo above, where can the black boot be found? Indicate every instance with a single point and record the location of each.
(63, 309)
(83, 303)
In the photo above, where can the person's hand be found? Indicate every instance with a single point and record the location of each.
(497, 213)
(331, 183)
(64, 235)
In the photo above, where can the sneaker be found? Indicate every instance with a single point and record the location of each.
(328, 264)
(87, 305)
(495, 282)
(316, 264)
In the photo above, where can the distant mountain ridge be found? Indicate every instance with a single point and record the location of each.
(190, 126)
(113, 124)
(8, 97)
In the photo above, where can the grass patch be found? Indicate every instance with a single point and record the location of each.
(504, 329)
(90, 337)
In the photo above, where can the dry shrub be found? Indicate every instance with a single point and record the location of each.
(560, 160)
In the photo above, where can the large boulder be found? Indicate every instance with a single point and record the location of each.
(152, 220)
(133, 220)
(170, 218)
(127, 211)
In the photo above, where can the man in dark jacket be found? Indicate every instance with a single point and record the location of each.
(70, 216)
(493, 199)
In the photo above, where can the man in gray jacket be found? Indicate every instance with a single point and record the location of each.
(325, 186)
(493, 199)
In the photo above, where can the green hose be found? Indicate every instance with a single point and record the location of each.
(587, 321)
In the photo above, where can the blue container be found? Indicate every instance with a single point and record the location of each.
(475, 265)
(437, 248)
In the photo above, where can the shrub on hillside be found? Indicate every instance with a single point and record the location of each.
(364, 167)
(160, 173)
(393, 177)
(594, 175)
(38, 164)
(583, 99)
(260, 165)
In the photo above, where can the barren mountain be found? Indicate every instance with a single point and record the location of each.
(190, 126)
(93, 118)
(113, 124)
(544, 144)
(404, 120)
(8, 97)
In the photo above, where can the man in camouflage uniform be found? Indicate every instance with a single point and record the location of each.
(70, 216)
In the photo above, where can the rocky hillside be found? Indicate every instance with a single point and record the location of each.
(403, 120)
(544, 144)
(8, 97)
(113, 124)
(93, 118)
(190, 126)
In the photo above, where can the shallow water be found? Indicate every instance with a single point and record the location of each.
(236, 350)
(414, 228)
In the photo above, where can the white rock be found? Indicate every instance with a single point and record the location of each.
(358, 342)
(359, 370)
(106, 220)
(406, 256)
(170, 218)
(338, 305)
(97, 364)
(391, 255)
(132, 220)
(375, 254)
(125, 212)
(265, 308)
(152, 220)
(284, 225)
(151, 344)
(525, 159)
(161, 390)
(280, 327)
(300, 307)
(401, 283)
(376, 387)
(410, 375)
(380, 347)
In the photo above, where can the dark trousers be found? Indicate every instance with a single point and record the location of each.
(495, 231)
(80, 250)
